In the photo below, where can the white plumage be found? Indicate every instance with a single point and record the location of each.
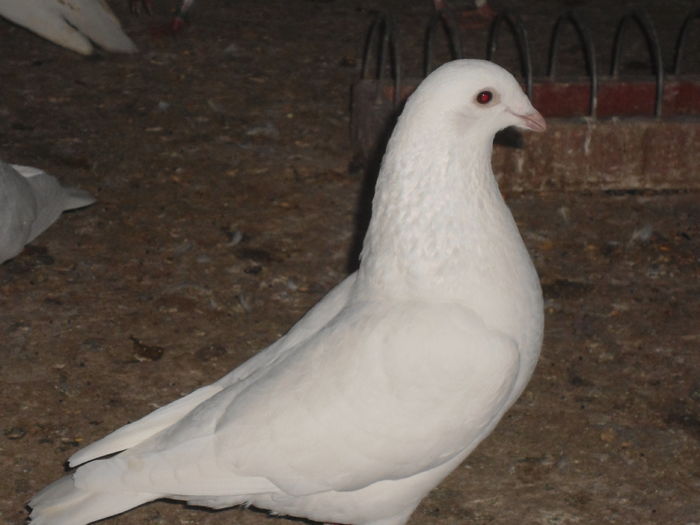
(391, 380)
(30, 202)
(72, 24)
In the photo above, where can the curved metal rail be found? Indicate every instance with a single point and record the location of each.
(588, 52)
(647, 28)
(680, 42)
(384, 32)
(447, 20)
(623, 96)
(518, 29)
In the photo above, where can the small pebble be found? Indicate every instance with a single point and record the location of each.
(235, 237)
(608, 435)
(245, 303)
(146, 352)
(209, 352)
(642, 234)
(15, 433)
(233, 50)
(267, 130)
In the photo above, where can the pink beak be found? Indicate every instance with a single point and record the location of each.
(533, 121)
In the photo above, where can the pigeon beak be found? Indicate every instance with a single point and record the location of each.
(533, 121)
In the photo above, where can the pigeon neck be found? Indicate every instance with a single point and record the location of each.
(436, 209)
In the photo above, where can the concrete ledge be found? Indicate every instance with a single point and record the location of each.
(581, 154)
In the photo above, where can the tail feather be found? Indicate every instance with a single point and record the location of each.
(76, 198)
(134, 433)
(62, 503)
(44, 184)
(52, 199)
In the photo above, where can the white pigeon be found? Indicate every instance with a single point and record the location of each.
(30, 202)
(391, 380)
(72, 24)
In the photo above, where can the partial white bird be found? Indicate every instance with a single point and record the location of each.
(72, 24)
(30, 202)
(391, 380)
(178, 21)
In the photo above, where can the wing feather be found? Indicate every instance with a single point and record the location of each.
(380, 393)
(168, 415)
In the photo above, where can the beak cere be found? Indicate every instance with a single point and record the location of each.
(533, 121)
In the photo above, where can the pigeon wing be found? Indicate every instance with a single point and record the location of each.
(166, 416)
(383, 392)
(379, 393)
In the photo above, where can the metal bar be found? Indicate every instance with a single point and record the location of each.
(373, 30)
(520, 34)
(446, 17)
(680, 42)
(588, 52)
(647, 28)
(383, 25)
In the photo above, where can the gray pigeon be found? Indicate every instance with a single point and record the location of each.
(30, 202)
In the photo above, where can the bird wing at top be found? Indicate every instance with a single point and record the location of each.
(70, 23)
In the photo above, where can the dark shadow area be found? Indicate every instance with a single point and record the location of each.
(367, 168)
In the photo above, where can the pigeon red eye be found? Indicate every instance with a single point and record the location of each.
(484, 97)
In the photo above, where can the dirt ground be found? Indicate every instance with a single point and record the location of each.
(225, 209)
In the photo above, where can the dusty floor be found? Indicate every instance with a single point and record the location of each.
(219, 160)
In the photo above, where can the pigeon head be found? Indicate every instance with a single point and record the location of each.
(475, 96)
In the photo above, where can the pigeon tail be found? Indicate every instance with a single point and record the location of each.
(52, 199)
(44, 184)
(77, 198)
(63, 503)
